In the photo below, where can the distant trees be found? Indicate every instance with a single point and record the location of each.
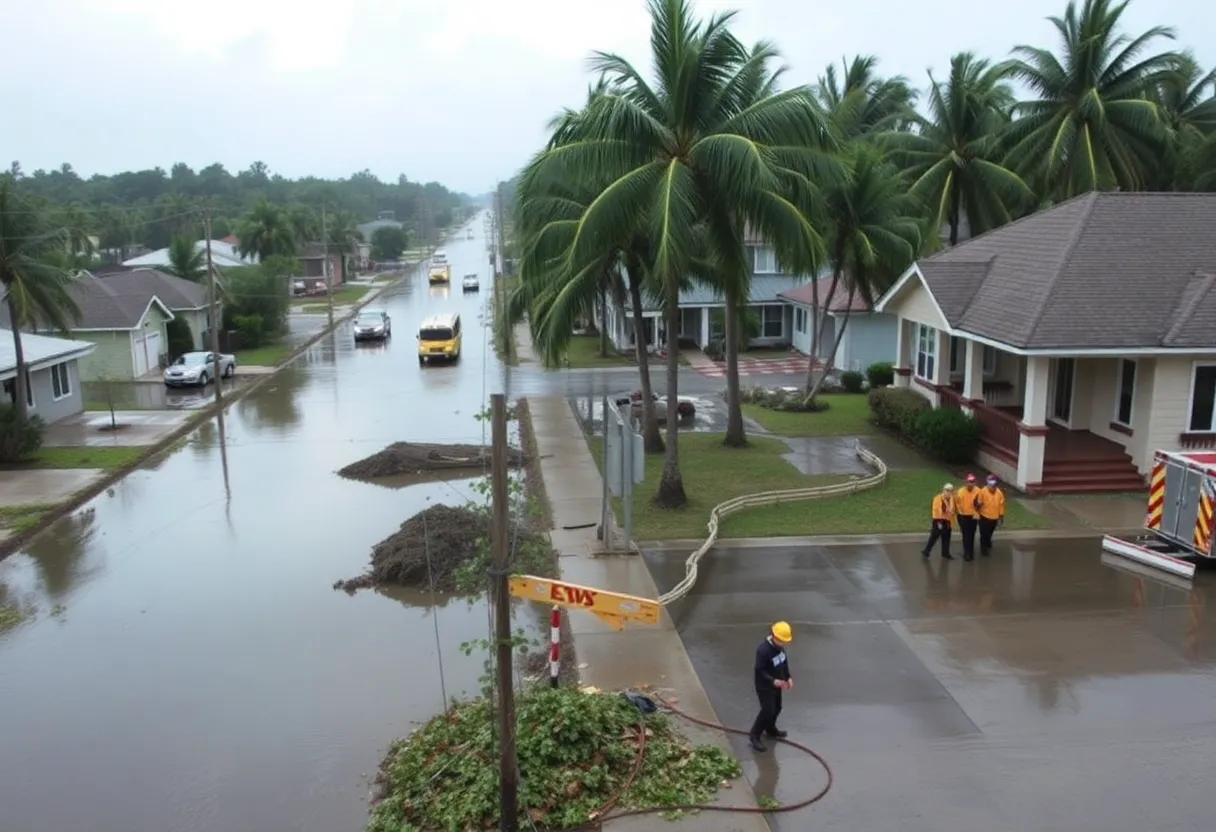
(389, 243)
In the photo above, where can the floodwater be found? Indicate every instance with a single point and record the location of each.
(188, 666)
(1041, 688)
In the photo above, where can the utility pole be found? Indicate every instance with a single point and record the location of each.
(500, 276)
(500, 551)
(212, 307)
(329, 289)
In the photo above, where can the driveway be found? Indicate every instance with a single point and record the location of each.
(1040, 689)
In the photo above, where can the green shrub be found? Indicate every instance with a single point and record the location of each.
(948, 434)
(897, 408)
(18, 443)
(880, 374)
(250, 329)
(852, 381)
(179, 337)
(715, 350)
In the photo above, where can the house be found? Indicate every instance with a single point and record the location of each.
(312, 258)
(869, 336)
(1082, 337)
(223, 255)
(701, 309)
(52, 380)
(186, 299)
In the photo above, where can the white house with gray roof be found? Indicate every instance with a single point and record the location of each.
(1082, 338)
(223, 255)
(52, 375)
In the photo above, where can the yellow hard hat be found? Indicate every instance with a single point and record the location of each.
(782, 631)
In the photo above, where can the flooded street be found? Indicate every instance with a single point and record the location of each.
(190, 667)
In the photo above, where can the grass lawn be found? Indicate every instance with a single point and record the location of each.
(347, 294)
(267, 355)
(713, 474)
(847, 415)
(105, 457)
(584, 353)
(20, 518)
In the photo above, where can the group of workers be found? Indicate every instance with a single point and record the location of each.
(974, 509)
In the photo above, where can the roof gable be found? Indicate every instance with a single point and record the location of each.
(40, 351)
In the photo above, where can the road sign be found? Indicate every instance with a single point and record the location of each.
(625, 457)
(613, 608)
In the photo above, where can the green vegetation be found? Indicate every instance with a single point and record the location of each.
(107, 457)
(388, 242)
(847, 414)
(269, 355)
(576, 750)
(20, 518)
(10, 616)
(722, 473)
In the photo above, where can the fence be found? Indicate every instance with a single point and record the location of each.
(772, 498)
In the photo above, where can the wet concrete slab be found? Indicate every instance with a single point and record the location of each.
(1118, 511)
(137, 395)
(19, 488)
(1012, 693)
(824, 455)
(95, 429)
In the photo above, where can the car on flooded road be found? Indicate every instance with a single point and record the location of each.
(197, 369)
(373, 325)
(471, 283)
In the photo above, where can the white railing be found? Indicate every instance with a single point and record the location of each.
(772, 498)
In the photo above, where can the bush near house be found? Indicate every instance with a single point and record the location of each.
(18, 442)
(250, 329)
(951, 436)
(897, 409)
(178, 337)
(880, 374)
(852, 381)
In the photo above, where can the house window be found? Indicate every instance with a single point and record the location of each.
(958, 357)
(926, 351)
(799, 319)
(1127, 392)
(764, 260)
(1203, 399)
(774, 321)
(61, 382)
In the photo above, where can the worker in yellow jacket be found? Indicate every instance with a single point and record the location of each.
(942, 512)
(966, 509)
(991, 506)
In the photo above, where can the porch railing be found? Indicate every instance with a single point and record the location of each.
(999, 430)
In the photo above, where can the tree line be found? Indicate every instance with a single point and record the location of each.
(656, 183)
(150, 207)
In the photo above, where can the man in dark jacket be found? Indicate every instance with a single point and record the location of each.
(772, 675)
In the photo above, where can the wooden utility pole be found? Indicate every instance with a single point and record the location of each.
(212, 297)
(500, 550)
(500, 277)
(329, 288)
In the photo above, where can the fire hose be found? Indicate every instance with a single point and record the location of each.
(605, 812)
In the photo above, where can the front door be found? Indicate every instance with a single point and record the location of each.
(1063, 381)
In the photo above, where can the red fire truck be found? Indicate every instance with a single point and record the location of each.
(1179, 524)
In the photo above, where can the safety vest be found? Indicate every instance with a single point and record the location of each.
(943, 508)
(965, 500)
(992, 504)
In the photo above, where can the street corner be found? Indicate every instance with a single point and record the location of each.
(127, 428)
(44, 487)
(700, 412)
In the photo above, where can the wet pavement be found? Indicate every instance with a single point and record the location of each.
(1040, 689)
(45, 486)
(709, 416)
(122, 427)
(188, 665)
(151, 395)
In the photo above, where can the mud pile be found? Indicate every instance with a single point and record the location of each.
(419, 457)
(448, 535)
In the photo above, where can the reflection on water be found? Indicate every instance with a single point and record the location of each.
(275, 406)
(59, 554)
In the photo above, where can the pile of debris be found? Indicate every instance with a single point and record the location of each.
(420, 457)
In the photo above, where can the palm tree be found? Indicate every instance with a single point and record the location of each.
(267, 232)
(861, 102)
(873, 237)
(1091, 125)
(37, 283)
(304, 220)
(1185, 100)
(344, 237)
(953, 156)
(186, 260)
(685, 153)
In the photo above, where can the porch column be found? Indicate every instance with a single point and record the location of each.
(941, 365)
(973, 374)
(704, 327)
(903, 354)
(1032, 430)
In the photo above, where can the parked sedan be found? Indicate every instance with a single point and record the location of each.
(373, 325)
(196, 369)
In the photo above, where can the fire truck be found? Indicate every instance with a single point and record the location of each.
(1178, 523)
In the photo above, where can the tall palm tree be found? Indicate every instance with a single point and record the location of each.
(186, 260)
(344, 237)
(953, 155)
(682, 153)
(266, 231)
(860, 102)
(305, 221)
(873, 236)
(1187, 104)
(34, 275)
(1091, 125)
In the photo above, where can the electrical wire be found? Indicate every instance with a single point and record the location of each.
(430, 576)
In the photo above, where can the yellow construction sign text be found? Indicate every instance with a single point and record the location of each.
(613, 608)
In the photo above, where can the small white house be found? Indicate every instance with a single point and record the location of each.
(869, 336)
(52, 380)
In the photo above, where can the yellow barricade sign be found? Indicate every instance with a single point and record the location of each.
(613, 608)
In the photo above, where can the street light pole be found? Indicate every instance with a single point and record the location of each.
(211, 306)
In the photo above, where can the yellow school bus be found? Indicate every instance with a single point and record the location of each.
(439, 337)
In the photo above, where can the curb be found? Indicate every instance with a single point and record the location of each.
(17, 541)
(830, 540)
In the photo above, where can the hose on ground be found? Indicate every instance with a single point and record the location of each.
(605, 812)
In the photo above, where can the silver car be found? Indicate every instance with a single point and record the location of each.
(196, 369)
(471, 283)
(373, 325)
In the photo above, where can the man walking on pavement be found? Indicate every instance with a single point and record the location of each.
(942, 512)
(772, 675)
(991, 505)
(966, 508)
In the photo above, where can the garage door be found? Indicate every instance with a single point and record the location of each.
(141, 358)
(152, 342)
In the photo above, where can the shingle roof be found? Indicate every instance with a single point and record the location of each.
(840, 298)
(174, 292)
(39, 350)
(1103, 271)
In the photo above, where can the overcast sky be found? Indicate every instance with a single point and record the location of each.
(457, 92)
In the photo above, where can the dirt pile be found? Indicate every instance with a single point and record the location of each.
(419, 457)
(449, 536)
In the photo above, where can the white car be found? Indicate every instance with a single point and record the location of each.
(196, 369)
(471, 283)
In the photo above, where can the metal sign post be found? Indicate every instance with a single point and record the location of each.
(624, 466)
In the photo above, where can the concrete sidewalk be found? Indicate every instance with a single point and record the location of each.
(640, 654)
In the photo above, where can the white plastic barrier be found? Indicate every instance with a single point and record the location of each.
(772, 498)
(1148, 557)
